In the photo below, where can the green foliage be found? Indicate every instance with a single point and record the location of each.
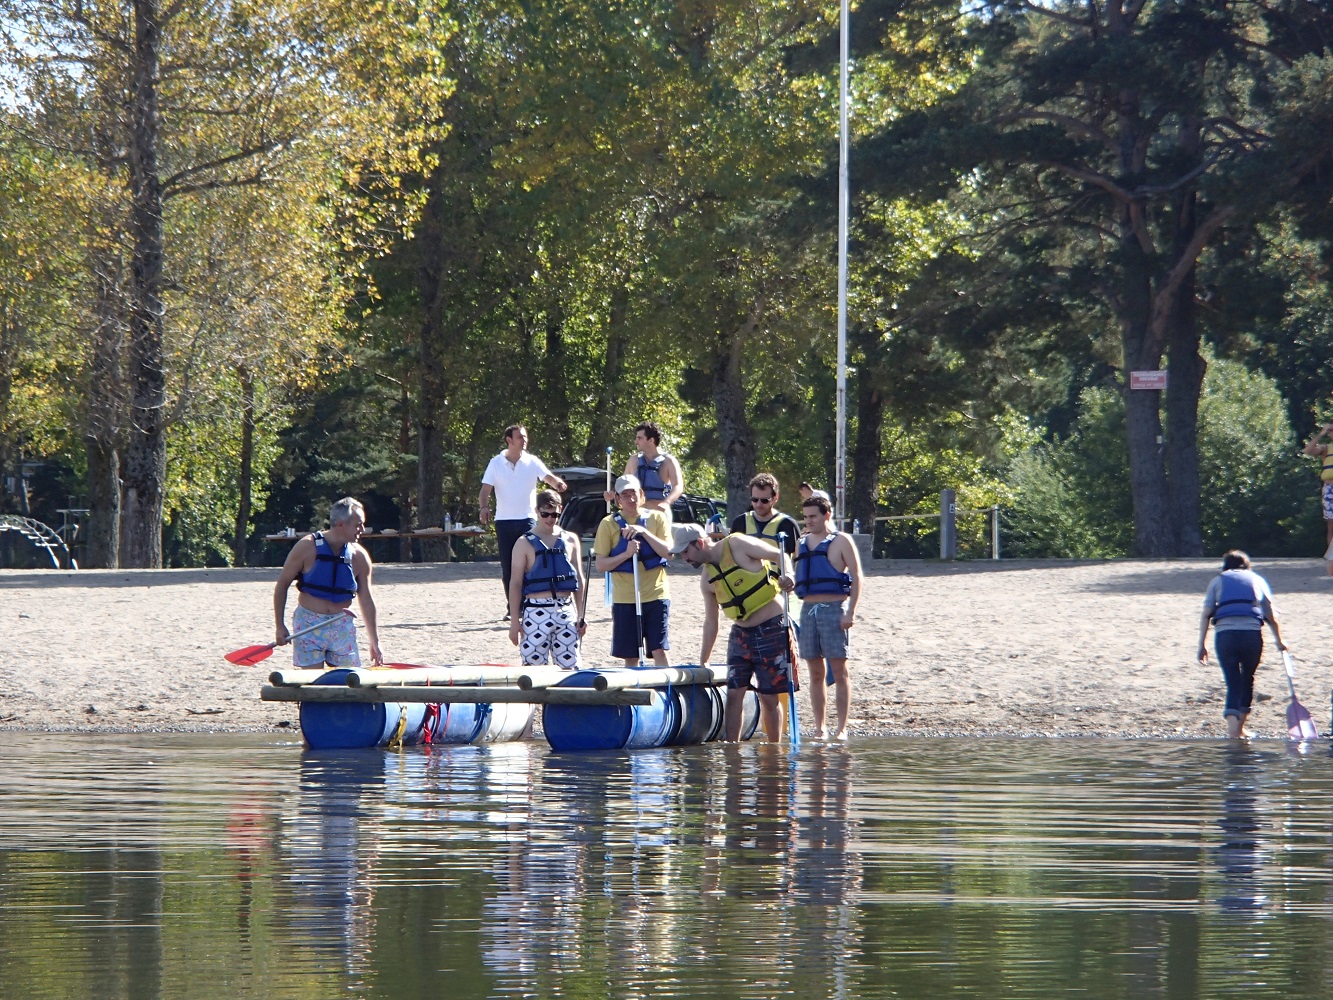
(1071, 496)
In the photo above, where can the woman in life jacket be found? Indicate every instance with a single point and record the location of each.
(547, 591)
(1237, 604)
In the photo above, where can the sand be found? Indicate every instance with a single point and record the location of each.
(1022, 648)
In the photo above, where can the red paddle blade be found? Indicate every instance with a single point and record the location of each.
(1299, 724)
(250, 655)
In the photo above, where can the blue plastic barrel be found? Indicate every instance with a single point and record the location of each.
(354, 725)
(698, 711)
(607, 727)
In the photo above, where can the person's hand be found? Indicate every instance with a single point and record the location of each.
(282, 636)
(608, 496)
(1203, 655)
(848, 620)
(485, 515)
(787, 582)
(560, 485)
(1282, 647)
(632, 549)
(376, 657)
(582, 627)
(515, 629)
(631, 531)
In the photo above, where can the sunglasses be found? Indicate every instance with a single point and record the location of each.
(761, 499)
(548, 513)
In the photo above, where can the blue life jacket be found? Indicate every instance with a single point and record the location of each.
(648, 557)
(650, 478)
(332, 578)
(551, 574)
(815, 575)
(1240, 596)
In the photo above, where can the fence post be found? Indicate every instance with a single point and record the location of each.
(995, 531)
(948, 525)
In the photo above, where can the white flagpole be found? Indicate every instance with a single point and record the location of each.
(840, 472)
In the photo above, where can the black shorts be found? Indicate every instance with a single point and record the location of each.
(625, 628)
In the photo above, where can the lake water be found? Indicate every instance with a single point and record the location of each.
(239, 866)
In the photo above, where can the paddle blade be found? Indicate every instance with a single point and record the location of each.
(1299, 724)
(250, 655)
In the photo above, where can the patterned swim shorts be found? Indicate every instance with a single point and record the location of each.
(550, 635)
(1328, 501)
(334, 643)
(764, 652)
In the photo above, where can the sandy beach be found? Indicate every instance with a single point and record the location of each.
(1042, 648)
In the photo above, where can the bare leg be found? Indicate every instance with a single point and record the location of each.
(816, 669)
(769, 717)
(842, 697)
(731, 717)
(660, 658)
(1236, 727)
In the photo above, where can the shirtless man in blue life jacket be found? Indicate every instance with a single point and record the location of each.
(738, 577)
(657, 472)
(329, 568)
(547, 591)
(828, 582)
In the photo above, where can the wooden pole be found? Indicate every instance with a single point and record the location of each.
(454, 695)
(612, 680)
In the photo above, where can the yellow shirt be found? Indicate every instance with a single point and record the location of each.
(652, 582)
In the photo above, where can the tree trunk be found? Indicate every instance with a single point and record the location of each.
(404, 476)
(106, 412)
(146, 453)
(245, 479)
(434, 352)
(734, 432)
(601, 425)
(9, 335)
(555, 394)
(867, 451)
(1185, 380)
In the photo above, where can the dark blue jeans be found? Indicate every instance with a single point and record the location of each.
(506, 534)
(1238, 652)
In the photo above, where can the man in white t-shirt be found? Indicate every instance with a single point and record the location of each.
(513, 476)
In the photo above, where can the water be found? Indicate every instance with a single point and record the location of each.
(226, 866)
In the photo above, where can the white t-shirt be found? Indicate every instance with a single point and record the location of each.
(515, 485)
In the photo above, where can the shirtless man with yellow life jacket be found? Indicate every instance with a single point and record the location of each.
(738, 577)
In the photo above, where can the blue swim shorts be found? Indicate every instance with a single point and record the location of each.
(822, 634)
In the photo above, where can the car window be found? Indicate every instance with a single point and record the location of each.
(583, 514)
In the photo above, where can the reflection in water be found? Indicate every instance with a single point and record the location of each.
(894, 868)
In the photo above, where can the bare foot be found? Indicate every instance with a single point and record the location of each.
(840, 736)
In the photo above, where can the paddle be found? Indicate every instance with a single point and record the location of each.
(638, 607)
(607, 599)
(1299, 724)
(248, 656)
(794, 727)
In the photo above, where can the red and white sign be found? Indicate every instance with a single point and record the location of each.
(1147, 380)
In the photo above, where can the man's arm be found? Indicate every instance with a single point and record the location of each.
(676, 478)
(555, 482)
(851, 560)
(1205, 620)
(291, 569)
(1313, 448)
(710, 619)
(361, 568)
(522, 562)
(484, 502)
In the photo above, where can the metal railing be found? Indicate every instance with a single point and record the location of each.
(947, 516)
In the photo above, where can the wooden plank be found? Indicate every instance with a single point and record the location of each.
(454, 695)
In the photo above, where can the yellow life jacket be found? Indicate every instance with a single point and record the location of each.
(1326, 468)
(740, 592)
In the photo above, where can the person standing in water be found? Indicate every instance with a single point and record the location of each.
(1236, 604)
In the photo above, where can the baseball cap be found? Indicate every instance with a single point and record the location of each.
(628, 483)
(685, 535)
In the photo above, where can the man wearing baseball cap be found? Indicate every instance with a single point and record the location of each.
(738, 576)
(636, 534)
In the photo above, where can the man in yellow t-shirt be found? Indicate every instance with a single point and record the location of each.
(636, 534)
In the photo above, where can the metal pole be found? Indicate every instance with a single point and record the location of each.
(995, 531)
(840, 471)
(948, 525)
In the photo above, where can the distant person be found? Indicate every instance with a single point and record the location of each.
(764, 520)
(658, 473)
(513, 476)
(807, 491)
(547, 592)
(738, 577)
(1236, 604)
(1324, 453)
(636, 533)
(828, 582)
(329, 568)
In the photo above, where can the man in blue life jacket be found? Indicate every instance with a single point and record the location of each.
(658, 473)
(764, 520)
(828, 582)
(738, 578)
(547, 592)
(636, 534)
(329, 568)
(1324, 453)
